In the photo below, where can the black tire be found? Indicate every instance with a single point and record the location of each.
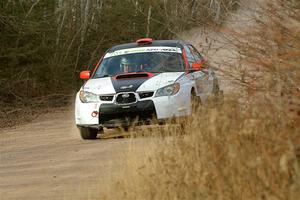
(218, 95)
(216, 90)
(195, 102)
(88, 133)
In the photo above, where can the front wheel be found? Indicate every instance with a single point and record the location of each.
(195, 102)
(218, 95)
(88, 133)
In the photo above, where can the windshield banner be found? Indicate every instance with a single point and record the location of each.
(143, 50)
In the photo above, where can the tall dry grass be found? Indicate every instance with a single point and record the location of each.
(225, 152)
(243, 148)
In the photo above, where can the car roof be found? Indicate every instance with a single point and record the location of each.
(167, 43)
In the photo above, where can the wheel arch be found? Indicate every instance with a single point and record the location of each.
(193, 90)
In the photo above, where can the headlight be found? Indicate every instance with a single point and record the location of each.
(168, 90)
(88, 97)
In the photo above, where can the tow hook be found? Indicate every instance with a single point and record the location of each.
(95, 113)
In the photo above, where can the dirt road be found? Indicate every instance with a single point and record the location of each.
(47, 160)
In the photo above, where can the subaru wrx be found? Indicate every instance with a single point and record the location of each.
(138, 81)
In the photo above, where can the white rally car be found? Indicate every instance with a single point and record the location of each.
(139, 81)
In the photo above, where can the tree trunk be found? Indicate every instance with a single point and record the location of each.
(148, 21)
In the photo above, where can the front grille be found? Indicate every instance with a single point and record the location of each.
(127, 117)
(125, 98)
(113, 114)
(146, 94)
(106, 98)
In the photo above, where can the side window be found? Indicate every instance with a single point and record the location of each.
(189, 56)
(195, 53)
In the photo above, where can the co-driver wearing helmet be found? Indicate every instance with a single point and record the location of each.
(124, 65)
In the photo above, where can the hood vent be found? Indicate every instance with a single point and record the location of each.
(134, 75)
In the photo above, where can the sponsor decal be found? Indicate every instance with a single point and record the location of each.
(126, 87)
(131, 85)
(143, 50)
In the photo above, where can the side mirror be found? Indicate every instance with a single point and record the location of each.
(85, 74)
(196, 66)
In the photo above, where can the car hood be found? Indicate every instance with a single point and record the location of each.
(159, 81)
(109, 85)
(99, 86)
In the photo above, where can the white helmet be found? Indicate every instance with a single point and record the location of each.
(124, 65)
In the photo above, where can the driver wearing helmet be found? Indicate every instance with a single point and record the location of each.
(125, 65)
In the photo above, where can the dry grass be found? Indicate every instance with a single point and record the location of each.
(245, 148)
(226, 152)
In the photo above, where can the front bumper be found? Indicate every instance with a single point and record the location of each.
(112, 115)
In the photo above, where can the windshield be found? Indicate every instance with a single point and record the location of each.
(155, 62)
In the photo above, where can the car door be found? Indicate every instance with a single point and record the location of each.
(193, 76)
(204, 78)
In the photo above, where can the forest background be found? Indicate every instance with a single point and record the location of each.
(45, 44)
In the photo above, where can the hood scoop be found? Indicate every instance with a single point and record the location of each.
(134, 75)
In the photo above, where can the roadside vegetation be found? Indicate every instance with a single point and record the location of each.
(247, 147)
(228, 152)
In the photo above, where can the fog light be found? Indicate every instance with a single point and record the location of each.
(95, 114)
